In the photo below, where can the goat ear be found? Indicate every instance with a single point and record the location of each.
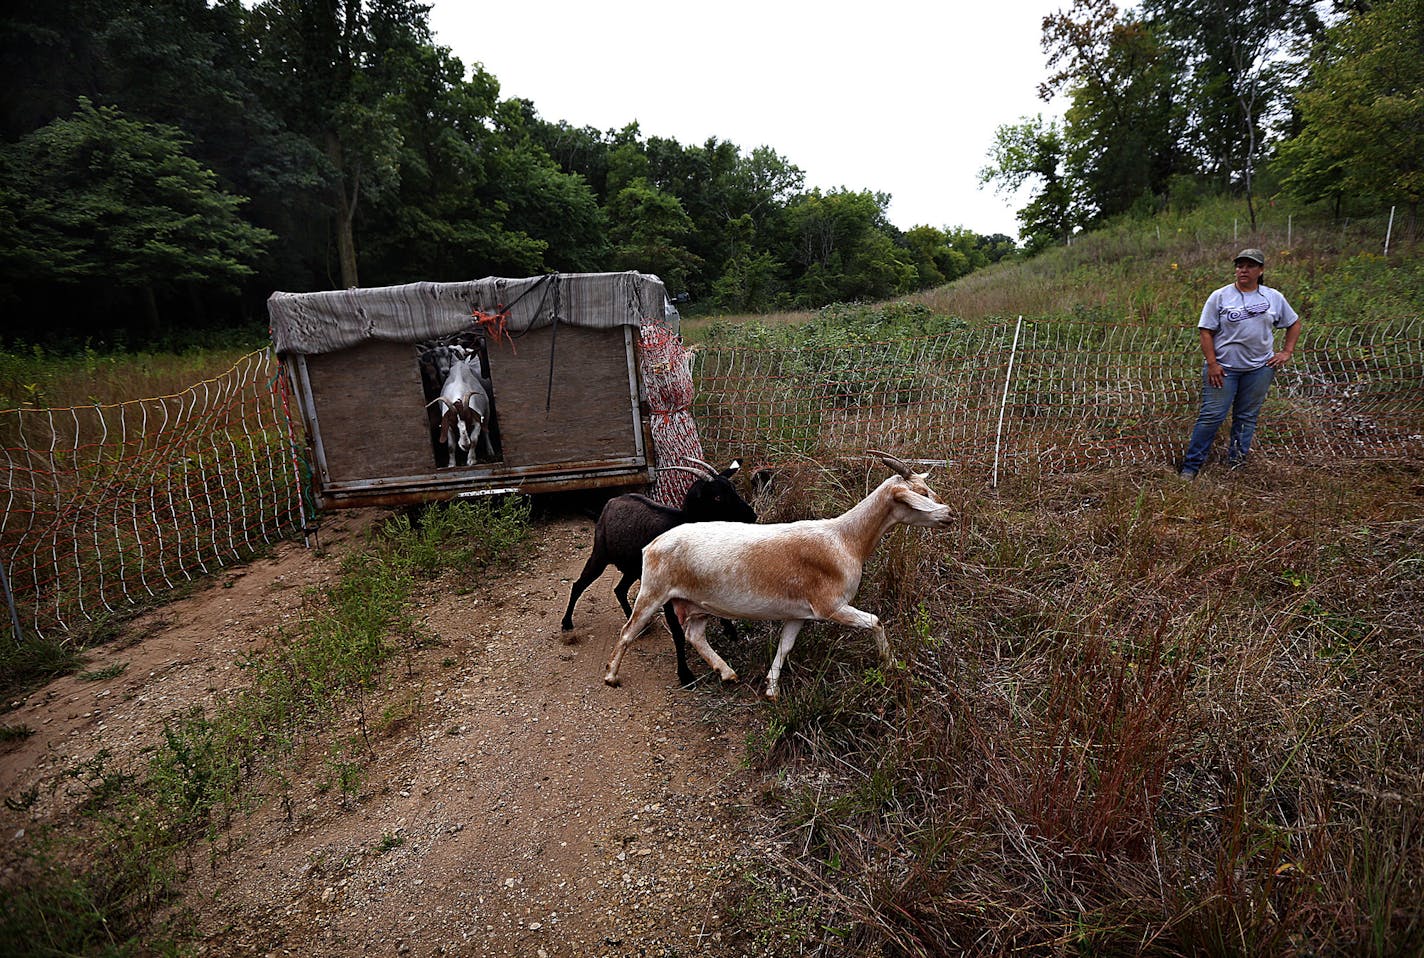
(731, 469)
(445, 422)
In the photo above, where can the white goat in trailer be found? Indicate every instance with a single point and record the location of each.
(792, 572)
(464, 413)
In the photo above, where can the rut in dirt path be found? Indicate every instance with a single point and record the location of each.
(524, 808)
(507, 801)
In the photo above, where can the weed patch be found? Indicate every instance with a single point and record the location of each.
(1125, 717)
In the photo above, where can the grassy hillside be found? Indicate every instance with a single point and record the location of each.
(1127, 715)
(1160, 270)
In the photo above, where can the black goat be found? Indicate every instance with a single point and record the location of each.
(630, 522)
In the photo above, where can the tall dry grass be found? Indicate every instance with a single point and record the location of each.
(1127, 716)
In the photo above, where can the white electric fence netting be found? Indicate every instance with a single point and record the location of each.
(1030, 399)
(108, 505)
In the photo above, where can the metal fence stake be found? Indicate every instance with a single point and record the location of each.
(10, 601)
(1003, 404)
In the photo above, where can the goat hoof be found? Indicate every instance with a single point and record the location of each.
(567, 625)
(611, 680)
(729, 679)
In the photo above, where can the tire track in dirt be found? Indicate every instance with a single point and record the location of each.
(513, 804)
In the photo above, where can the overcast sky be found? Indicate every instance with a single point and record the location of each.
(895, 96)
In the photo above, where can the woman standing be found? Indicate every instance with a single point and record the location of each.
(1237, 328)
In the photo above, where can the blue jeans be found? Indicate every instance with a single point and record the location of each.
(1241, 394)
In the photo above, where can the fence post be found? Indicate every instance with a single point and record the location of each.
(1004, 402)
(1389, 230)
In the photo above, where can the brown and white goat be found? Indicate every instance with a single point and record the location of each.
(464, 413)
(793, 572)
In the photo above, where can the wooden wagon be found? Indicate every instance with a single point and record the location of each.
(560, 355)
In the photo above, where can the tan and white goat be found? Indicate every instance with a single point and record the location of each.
(793, 572)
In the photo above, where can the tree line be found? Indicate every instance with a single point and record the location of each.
(165, 164)
(1174, 100)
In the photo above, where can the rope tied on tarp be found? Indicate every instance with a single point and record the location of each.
(495, 325)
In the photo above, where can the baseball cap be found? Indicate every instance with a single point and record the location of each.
(1253, 254)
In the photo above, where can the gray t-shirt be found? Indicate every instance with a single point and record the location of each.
(1243, 325)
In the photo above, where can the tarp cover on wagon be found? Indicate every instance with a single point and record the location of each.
(588, 378)
(324, 322)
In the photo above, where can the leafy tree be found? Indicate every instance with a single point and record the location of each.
(184, 63)
(842, 242)
(979, 249)
(1179, 88)
(333, 68)
(751, 283)
(743, 204)
(108, 202)
(648, 228)
(436, 221)
(1032, 153)
(627, 161)
(554, 208)
(173, 61)
(49, 54)
(1234, 65)
(580, 150)
(936, 261)
(699, 176)
(1117, 141)
(1362, 111)
(734, 200)
(761, 183)
(474, 193)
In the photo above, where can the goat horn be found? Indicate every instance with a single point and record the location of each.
(895, 465)
(710, 469)
(684, 469)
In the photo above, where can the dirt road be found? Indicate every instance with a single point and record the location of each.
(514, 805)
